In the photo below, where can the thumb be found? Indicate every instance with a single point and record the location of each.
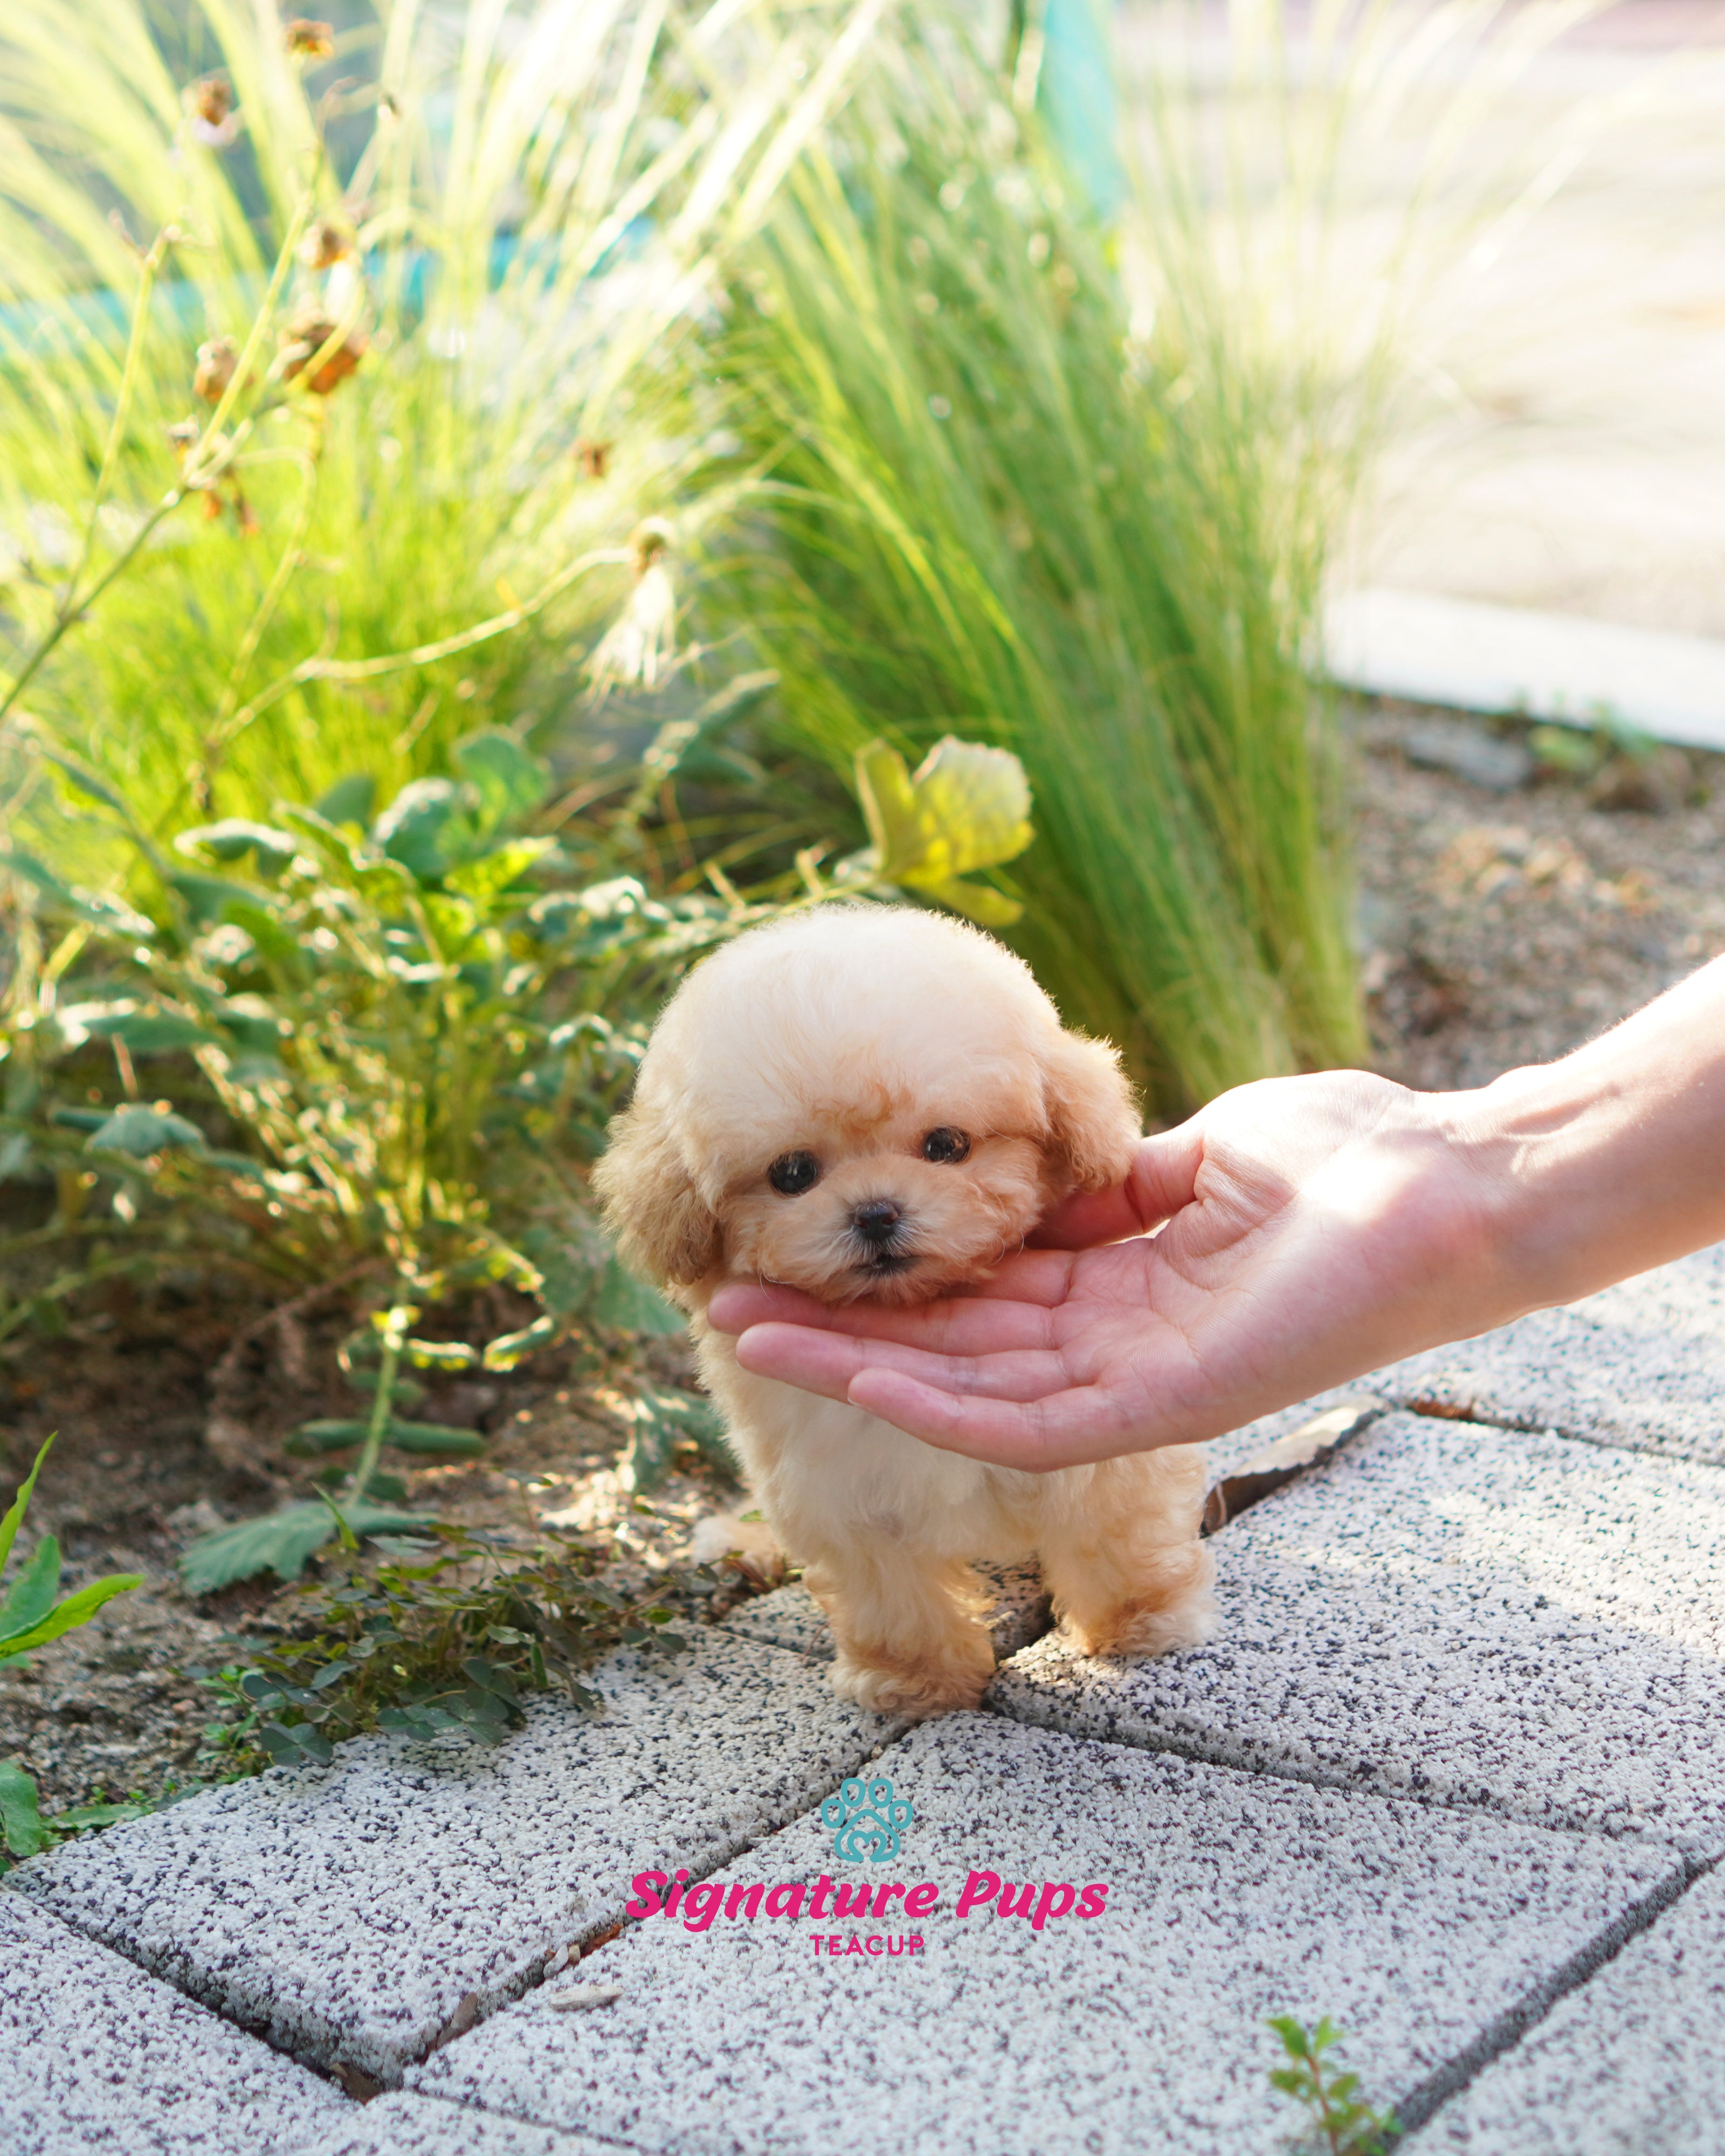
(1163, 1177)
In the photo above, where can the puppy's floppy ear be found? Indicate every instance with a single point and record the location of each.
(662, 1225)
(1093, 1126)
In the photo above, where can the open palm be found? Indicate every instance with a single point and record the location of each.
(1315, 1228)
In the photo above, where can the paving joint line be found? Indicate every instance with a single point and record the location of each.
(515, 2118)
(122, 1951)
(1507, 2032)
(537, 1978)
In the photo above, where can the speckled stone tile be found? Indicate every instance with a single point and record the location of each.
(403, 2125)
(1344, 1413)
(1640, 1364)
(96, 2057)
(1632, 2064)
(1427, 1934)
(347, 1912)
(1479, 1616)
(791, 1617)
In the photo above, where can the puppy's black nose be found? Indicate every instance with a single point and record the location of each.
(875, 1219)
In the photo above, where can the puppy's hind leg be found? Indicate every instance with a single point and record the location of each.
(909, 1628)
(1128, 1574)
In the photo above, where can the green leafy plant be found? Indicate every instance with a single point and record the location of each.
(29, 1615)
(1344, 2125)
(442, 1640)
(24, 1831)
(398, 352)
(393, 1040)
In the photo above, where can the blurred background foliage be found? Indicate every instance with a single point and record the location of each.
(499, 494)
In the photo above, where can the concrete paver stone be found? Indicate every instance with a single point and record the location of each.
(1427, 1934)
(403, 2125)
(1640, 1364)
(1479, 1616)
(1631, 2065)
(347, 1912)
(96, 2056)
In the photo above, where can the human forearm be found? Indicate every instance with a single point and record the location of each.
(1607, 1162)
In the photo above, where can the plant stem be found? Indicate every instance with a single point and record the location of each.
(394, 1335)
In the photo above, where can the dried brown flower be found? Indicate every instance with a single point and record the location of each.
(595, 458)
(325, 244)
(648, 542)
(209, 102)
(216, 362)
(307, 40)
(304, 336)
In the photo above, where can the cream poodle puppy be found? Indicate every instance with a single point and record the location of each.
(869, 1102)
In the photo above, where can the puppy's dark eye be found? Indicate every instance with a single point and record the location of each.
(945, 1144)
(793, 1172)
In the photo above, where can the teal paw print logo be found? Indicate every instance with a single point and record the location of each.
(866, 1820)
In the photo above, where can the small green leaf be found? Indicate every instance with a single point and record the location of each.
(977, 901)
(483, 878)
(625, 1304)
(509, 1349)
(350, 800)
(31, 1595)
(100, 909)
(75, 1610)
(206, 898)
(80, 1816)
(440, 1354)
(22, 1827)
(966, 806)
(423, 827)
(492, 1677)
(508, 779)
(235, 837)
(139, 1132)
(153, 1033)
(9, 1525)
(296, 1746)
(434, 1437)
(280, 1542)
(312, 1438)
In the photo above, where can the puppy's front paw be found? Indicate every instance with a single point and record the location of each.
(918, 1691)
(721, 1532)
(1129, 1632)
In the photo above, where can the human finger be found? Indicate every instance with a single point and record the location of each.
(1163, 1176)
(827, 1362)
(796, 1354)
(1037, 1436)
(739, 1304)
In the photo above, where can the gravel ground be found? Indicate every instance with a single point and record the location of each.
(1504, 928)
(1503, 924)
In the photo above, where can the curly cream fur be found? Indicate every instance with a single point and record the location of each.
(850, 1032)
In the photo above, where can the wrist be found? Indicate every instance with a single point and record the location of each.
(1601, 1165)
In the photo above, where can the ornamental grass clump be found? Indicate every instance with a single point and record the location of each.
(305, 341)
(992, 506)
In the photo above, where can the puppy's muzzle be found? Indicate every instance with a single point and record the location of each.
(879, 1226)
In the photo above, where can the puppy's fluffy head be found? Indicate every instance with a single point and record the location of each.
(861, 1101)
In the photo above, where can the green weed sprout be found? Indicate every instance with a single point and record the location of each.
(444, 1639)
(29, 1617)
(1347, 2127)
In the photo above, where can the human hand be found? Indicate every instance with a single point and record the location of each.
(1317, 1228)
